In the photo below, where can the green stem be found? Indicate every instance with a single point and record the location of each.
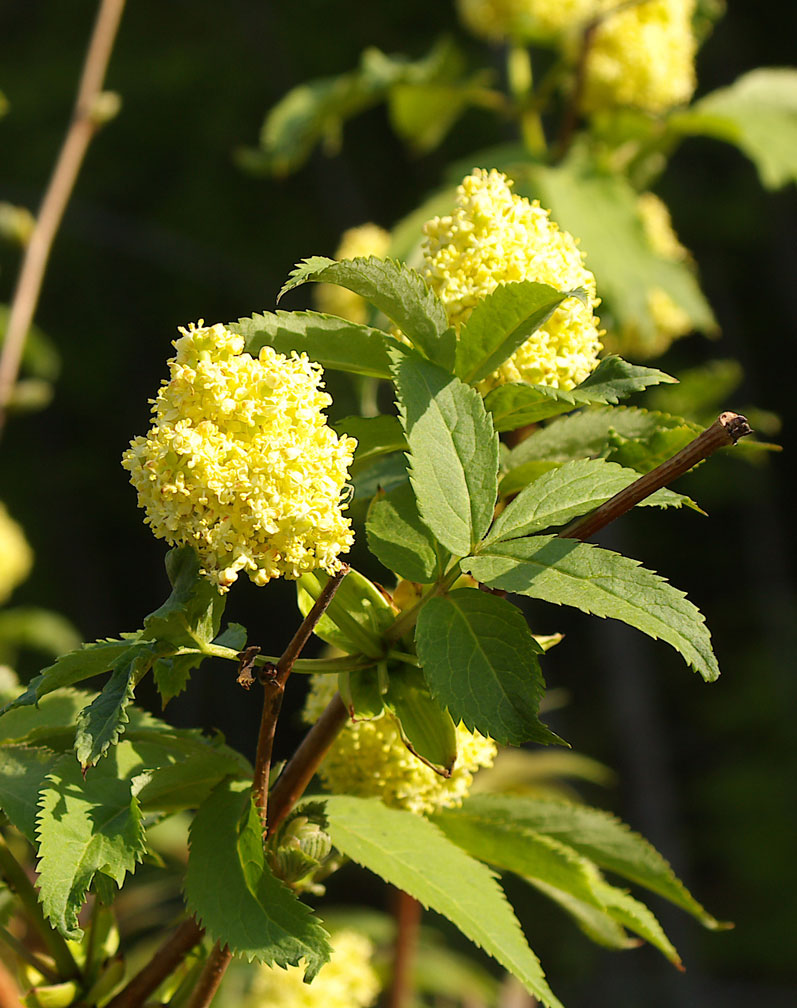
(521, 86)
(18, 881)
(306, 666)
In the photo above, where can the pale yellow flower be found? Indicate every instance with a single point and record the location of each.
(348, 980)
(240, 462)
(369, 759)
(669, 319)
(495, 237)
(16, 557)
(642, 55)
(365, 240)
(496, 20)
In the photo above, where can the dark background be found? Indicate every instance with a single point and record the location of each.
(164, 229)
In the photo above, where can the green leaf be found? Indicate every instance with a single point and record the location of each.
(557, 869)
(376, 436)
(757, 113)
(426, 729)
(171, 674)
(193, 770)
(622, 434)
(22, 773)
(400, 540)
(526, 852)
(235, 896)
(50, 723)
(601, 209)
(567, 492)
(396, 290)
(635, 916)
(192, 613)
(101, 723)
(412, 854)
(356, 617)
(360, 691)
(85, 826)
(519, 477)
(596, 835)
(596, 924)
(453, 452)
(333, 342)
(480, 660)
(500, 323)
(600, 582)
(516, 405)
(615, 379)
(89, 660)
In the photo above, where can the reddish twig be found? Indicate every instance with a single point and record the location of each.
(274, 679)
(726, 430)
(305, 761)
(84, 124)
(164, 962)
(407, 913)
(211, 976)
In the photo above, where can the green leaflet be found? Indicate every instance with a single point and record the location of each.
(557, 869)
(500, 323)
(396, 290)
(87, 826)
(600, 582)
(400, 540)
(235, 896)
(101, 723)
(336, 344)
(22, 772)
(515, 405)
(596, 835)
(480, 660)
(357, 616)
(453, 452)
(89, 660)
(38, 629)
(411, 853)
(568, 492)
(757, 113)
(192, 612)
(637, 438)
(427, 730)
(376, 436)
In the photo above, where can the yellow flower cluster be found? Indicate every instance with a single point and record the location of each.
(369, 759)
(494, 237)
(16, 557)
(670, 320)
(366, 240)
(240, 463)
(348, 980)
(521, 20)
(642, 54)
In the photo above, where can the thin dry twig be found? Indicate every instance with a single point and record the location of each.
(83, 125)
(164, 962)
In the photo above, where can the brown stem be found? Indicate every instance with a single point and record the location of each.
(82, 127)
(305, 761)
(573, 109)
(9, 992)
(407, 912)
(274, 681)
(211, 976)
(726, 430)
(164, 962)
